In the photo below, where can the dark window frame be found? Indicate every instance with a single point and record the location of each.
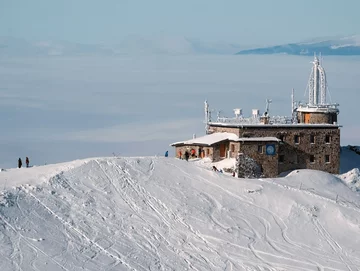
(296, 139)
(312, 159)
(281, 158)
(327, 159)
(312, 139)
(327, 139)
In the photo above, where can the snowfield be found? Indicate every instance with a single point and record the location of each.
(155, 213)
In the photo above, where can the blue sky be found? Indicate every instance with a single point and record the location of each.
(261, 22)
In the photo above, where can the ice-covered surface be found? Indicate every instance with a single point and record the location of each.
(218, 137)
(209, 139)
(151, 213)
(352, 179)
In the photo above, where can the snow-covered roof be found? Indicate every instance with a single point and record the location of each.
(261, 139)
(208, 139)
(218, 137)
(261, 125)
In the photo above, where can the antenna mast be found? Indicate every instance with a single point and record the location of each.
(207, 117)
(293, 107)
(267, 108)
(317, 84)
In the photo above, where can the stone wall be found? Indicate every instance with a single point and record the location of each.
(234, 148)
(216, 153)
(297, 156)
(268, 163)
(329, 118)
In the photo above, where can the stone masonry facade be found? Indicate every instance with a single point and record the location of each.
(304, 117)
(256, 150)
(301, 147)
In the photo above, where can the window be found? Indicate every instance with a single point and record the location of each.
(327, 139)
(327, 158)
(312, 159)
(281, 158)
(312, 139)
(232, 148)
(208, 152)
(296, 139)
(260, 149)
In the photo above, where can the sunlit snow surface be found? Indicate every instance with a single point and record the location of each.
(152, 213)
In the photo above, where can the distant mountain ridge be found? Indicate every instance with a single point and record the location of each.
(132, 45)
(174, 45)
(349, 45)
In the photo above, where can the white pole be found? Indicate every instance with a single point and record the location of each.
(206, 117)
(316, 82)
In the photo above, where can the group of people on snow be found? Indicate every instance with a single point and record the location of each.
(186, 155)
(26, 161)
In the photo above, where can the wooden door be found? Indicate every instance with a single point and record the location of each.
(307, 118)
(222, 150)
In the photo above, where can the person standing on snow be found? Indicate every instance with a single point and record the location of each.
(187, 156)
(19, 163)
(166, 153)
(27, 161)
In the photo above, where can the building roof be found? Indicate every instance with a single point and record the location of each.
(261, 125)
(213, 138)
(208, 140)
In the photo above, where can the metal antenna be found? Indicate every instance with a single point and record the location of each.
(207, 117)
(317, 84)
(267, 108)
(218, 114)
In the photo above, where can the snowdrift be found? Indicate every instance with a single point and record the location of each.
(150, 213)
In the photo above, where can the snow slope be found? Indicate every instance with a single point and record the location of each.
(151, 213)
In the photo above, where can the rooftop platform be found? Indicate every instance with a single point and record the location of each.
(262, 125)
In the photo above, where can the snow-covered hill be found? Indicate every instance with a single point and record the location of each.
(151, 213)
(349, 45)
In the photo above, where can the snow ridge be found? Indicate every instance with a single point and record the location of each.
(155, 213)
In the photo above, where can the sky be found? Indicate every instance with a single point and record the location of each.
(248, 22)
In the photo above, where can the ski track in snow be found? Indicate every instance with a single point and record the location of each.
(158, 214)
